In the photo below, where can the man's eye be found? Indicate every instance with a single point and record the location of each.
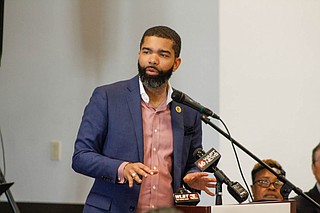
(164, 55)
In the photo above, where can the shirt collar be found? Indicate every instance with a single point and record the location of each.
(145, 96)
(318, 186)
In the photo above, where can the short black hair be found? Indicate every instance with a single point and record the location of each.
(164, 32)
(272, 163)
(314, 153)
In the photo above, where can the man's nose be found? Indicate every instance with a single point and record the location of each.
(153, 59)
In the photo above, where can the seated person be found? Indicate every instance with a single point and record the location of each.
(303, 205)
(265, 185)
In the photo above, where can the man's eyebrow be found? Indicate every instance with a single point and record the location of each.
(146, 48)
(165, 51)
(160, 51)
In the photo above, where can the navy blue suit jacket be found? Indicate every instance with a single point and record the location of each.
(111, 132)
(305, 206)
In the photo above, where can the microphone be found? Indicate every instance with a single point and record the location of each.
(182, 98)
(184, 197)
(208, 162)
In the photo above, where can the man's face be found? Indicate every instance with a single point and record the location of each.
(262, 192)
(156, 61)
(316, 166)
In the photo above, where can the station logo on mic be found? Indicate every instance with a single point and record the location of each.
(185, 197)
(208, 160)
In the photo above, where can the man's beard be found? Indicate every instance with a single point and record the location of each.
(154, 81)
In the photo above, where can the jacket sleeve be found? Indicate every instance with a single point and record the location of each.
(88, 158)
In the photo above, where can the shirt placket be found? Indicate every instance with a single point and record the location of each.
(154, 159)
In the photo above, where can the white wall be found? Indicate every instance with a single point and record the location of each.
(269, 83)
(56, 52)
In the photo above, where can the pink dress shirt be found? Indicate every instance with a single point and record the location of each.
(156, 190)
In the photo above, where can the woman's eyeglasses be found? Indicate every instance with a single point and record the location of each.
(267, 183)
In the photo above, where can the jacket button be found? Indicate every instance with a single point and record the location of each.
(132, 208)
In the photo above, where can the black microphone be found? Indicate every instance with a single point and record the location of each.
(208, 162)
(182, 98)
(184, 197)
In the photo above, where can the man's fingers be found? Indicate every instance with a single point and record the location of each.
(211, 185)
(209, 192)
(201, 174)
(141, 169)
(209, 179)
(130, 181)
(135, 172)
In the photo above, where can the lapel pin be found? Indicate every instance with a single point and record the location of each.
(178, 109)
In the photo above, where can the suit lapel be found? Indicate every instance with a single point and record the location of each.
(134, 103)
(178, 134)
(314, 194)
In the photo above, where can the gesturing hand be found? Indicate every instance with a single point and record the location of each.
(200, 181)
(135, 172)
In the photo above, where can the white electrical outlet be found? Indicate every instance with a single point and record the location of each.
(55, 150)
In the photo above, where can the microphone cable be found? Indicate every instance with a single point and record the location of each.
(183, 98)
(237, 158)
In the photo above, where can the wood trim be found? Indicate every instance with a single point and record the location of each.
(28, 207)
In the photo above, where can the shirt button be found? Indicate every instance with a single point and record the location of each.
(154, 168)
(155, 130)
(154, 149)
(154, 187)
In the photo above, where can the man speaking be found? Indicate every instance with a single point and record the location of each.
(135, 141)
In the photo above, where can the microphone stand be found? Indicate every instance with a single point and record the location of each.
(219, 192)
(288, 185)
(9, 196)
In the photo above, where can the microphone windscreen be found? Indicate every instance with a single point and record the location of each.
(177, 96)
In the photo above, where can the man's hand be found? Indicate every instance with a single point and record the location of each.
(135, 172)
(200, 181)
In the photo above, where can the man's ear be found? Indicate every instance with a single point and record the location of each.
(176, 64)
(313, 169)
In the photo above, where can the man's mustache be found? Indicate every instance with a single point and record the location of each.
(152, 68)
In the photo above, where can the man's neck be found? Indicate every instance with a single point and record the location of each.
(157, 95)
